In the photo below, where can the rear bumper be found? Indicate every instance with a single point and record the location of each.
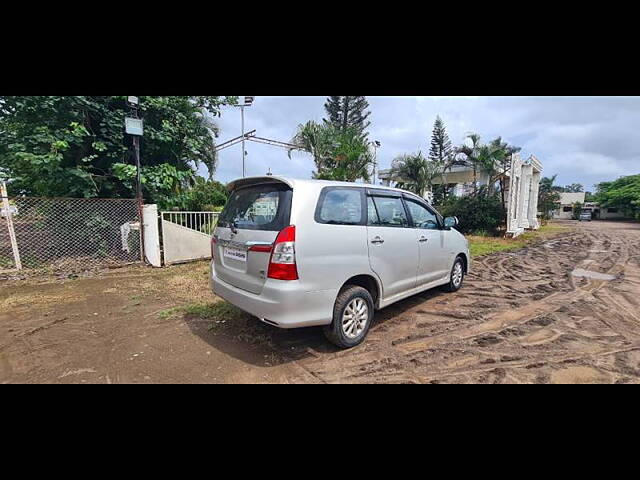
(283, 304)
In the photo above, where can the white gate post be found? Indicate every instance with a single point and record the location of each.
(151, 235)
(12, 232)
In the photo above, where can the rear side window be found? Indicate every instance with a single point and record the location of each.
(258, 207)
(387, 212)
(340, 206)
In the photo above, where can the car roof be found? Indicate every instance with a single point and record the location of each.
(299, 182)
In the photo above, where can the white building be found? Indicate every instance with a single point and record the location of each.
(522, 182)
(565, 206)
(567, 200)
(602, 213)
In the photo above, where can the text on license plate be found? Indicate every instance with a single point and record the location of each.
(240, 255)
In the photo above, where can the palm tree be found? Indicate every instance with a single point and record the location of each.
(317, 139)
(492, 158)
(471, 156)
(503, 163)
(415, 173)
(339, 154)
(548, 196)
(210, 154)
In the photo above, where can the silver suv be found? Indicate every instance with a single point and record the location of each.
(299, 253)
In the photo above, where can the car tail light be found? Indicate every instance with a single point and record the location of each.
(214, 241)
(282, 265)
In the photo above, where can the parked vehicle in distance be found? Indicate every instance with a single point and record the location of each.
(585, 215)
(298, 253)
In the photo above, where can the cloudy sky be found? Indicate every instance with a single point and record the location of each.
(582, 139)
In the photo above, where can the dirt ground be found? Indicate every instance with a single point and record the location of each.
(522, 317)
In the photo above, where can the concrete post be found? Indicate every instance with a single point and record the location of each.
(533, 201)
(151, 235)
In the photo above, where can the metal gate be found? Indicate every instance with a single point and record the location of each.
(186, 236)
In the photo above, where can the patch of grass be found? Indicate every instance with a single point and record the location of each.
(207, 311)
(482, 245)
(213, 311)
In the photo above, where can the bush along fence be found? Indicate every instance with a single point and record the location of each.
(68, 234)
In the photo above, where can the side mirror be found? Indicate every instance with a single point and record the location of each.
(451, 222)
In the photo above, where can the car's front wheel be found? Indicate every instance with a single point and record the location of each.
(457, 276)
(352, 317)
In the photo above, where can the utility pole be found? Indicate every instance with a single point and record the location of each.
(244, 102)
(376, 144)
(135, 128)
(244, 151)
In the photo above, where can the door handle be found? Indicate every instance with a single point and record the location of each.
(423, 239)
(377, 240)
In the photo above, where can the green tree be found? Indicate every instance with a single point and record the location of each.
(471, 156)
(71, 145)
(480, 214)
(574, 188)
(342, 155)
(623, 193)
(577, 209)
(503, 153)
(492, 159)
(442, 153)
(548, 197)
(415, 173)
(484, 158)
(348, 112)
(441, 150)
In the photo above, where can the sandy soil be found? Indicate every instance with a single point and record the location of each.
(563, 311)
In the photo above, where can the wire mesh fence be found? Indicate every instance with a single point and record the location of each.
(70, 234)
(7, 261)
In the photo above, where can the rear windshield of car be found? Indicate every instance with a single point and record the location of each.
(258, 207)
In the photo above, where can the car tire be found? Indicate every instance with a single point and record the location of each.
(352, 317)
(457, 276)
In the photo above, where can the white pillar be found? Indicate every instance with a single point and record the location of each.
(12, 232)
(525, 188)
(151, 235)
(533, 201)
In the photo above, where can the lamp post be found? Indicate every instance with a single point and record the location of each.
(245, 102)
(376, 144)
(134, 127)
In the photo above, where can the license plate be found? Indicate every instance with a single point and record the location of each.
(239, 255)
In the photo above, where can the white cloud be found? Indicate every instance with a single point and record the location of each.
(582, 139)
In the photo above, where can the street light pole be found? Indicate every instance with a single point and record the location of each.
(134, 127)
(246, 102)
(376, 144)
(244, 152)
(136, 149)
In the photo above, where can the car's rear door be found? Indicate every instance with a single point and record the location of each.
(393, 246)
(248, 226)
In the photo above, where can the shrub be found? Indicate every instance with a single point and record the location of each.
(577, 209)
(203, 195)
(477, 213)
